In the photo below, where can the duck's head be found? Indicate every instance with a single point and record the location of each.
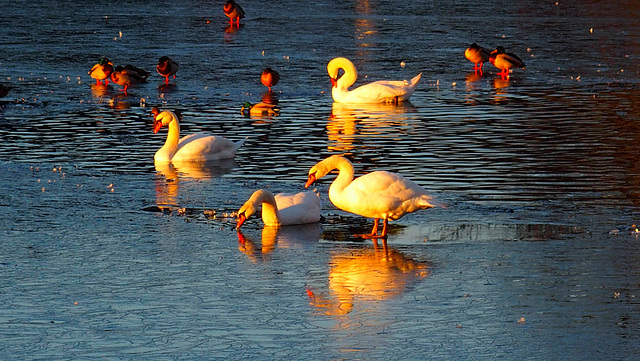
(229, 6)
(245, 107)
(104, 61)
(494, 54)
(499, 50)
(163, 59)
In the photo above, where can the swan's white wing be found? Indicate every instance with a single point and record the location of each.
(382, 91)
(383, 194)
(202, 146)
(300, 208)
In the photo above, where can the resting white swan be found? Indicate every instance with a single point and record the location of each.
(383, 91)
(379, 195)
(283, 209)
(194, 147)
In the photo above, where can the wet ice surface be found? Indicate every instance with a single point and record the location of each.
(537, 170)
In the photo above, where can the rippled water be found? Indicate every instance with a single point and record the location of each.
(107, 255)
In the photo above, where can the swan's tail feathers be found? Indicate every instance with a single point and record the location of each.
(431, 203)
(239, 144)
(416, 79)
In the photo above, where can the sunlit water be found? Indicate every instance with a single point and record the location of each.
(106, 255)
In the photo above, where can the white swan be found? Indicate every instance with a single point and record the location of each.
(379, 195)
(197, 147)
(383, 91)
(283, 209)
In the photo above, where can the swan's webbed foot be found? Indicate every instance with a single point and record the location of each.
(374, 231)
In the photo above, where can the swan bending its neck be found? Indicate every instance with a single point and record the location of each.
(282, 209)
(382, 91)
(270, 213)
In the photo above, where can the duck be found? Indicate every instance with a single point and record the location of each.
(102, 70)
(505, 61)
(269, 78)
(477, 55)
(383, 91)
(128, 75)
(282, 209)
(259, 109)
(233, 11)
(378, 195)
(167, 67)
(198, 147)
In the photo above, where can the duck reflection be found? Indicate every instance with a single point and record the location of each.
(121, 101)
(270, 97)
(171, 173)
(230, 31)
(500, 84)
(284, 237)
(472, 78)
(375, 119)
(367, 276)
(166, 88)
(99, 90)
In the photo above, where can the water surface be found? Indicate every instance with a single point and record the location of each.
(107, 255)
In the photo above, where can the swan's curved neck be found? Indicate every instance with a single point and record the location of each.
(270, 213)
(344, 178)
(349, 77)
(350, 73)
(170, 146)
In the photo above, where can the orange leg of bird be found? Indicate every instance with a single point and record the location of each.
(384, 228)
(374, 231)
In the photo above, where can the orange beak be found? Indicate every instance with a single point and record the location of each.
(241, 219)
(156, 126)
(312, 178)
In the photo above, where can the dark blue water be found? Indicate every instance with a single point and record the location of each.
(106, 255)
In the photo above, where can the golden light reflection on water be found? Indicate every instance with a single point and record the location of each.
(280, 237)
(99, 90)
(171, 173)
(365, 277)
(364, 29)
(350, 124)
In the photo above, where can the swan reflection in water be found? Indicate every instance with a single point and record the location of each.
(366, 276)
(372, 119)
(284, 237)
(171, 173)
